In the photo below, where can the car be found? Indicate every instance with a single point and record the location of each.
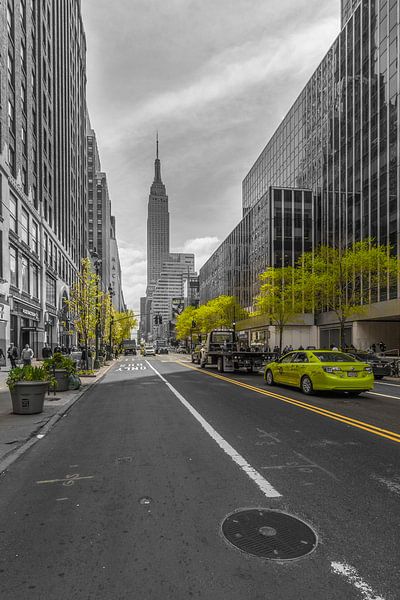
(163, 350)
(380, 368)
(196, 354)
(148, 350)
(319, 370)
(131, 351)
(181, 350)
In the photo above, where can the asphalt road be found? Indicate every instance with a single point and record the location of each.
(125, 497)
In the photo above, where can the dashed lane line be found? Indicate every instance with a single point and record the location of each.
(379, 431)
(266, 488)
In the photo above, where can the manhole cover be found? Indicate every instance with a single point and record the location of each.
(269, 534)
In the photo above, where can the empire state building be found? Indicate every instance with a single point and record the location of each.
(157, 227)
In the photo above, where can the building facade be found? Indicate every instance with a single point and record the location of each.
(43, 168)
(340, 140)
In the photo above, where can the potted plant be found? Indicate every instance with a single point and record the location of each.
(28, 386)
(61, 367)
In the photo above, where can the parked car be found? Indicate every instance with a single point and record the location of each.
(148, 350)
(313, 370)
(380, 368)
(163, 350)
(196, 354)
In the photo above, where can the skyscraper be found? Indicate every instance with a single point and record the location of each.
(157, 227)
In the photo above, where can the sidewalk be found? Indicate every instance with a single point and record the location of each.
(19, 432)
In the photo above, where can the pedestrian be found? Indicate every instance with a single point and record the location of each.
(2, 359)
(46, 351)
(57, 349)
(301, 347)
(12, 354)
(373, 348)
(84, 357)
(382, 346)
(334, 348)
(27, 355)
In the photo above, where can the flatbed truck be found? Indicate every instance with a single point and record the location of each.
(221, 350)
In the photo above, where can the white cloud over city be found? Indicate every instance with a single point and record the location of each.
(215, 79)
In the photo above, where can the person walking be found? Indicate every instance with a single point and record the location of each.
(27, 355)
(46, 351)
(12, 354)
(2, 359)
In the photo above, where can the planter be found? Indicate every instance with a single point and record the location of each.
(61, 377)
(28, 397)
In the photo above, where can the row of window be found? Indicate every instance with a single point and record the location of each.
(24, 274)
(24, 225)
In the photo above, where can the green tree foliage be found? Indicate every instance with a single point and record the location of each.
(123, 323)
(344, 280)
(83, 302)
(281, 296)
(222, 311)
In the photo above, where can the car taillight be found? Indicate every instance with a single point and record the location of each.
(331, 369)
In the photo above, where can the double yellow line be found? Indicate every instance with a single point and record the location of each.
(385, 433)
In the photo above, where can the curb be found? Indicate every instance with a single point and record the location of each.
(40, 433)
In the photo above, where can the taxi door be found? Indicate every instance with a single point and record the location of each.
(298, 367)
(282, 371)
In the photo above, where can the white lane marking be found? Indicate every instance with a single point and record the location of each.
(350, 573)
(259, 480)
(384, 395)
(392, 484)
(385, 383)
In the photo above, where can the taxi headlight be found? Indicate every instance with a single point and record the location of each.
(368, 369)
(331, 369)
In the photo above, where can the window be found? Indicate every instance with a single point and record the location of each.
(10, 67)
(25, 274)
(1, 252)
(9, 20)
(35, 281)
(24, 226)
(13, 215)
(50, 290)
(35, 237)
(22, 55)
(11, 115)
(13, 267)
(23, 97)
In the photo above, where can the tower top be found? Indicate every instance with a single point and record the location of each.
(157, 165)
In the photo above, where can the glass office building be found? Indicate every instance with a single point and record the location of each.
(340, 140)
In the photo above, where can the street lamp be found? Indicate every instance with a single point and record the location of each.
(111, 293)
(97, 265)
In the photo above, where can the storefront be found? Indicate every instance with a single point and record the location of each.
(24, 326)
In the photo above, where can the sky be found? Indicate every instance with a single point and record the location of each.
(214, 78)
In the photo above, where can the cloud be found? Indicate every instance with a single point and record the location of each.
(202, 248)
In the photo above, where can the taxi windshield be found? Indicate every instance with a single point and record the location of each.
(339, 357)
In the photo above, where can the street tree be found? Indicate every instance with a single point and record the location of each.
(122, 325)
(186, 323)
(344, 280)
(222, 311)
(281, 298)
(83, 302)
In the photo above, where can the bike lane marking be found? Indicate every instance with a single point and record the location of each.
(266, 488)
(385, 433)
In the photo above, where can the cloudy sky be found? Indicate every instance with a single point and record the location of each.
(215, 78)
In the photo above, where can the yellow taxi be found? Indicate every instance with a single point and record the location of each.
(320, 370)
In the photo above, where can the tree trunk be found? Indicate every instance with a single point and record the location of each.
(342, 334)
(280, 338)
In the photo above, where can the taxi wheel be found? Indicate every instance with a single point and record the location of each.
(306, 385)
(269, 378)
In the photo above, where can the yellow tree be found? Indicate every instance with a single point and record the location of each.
(281, 296)
(343, 280)
(83, 302)
(186, 323)
(122, 325)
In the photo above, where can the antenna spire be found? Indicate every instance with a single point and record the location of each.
(157, 145)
